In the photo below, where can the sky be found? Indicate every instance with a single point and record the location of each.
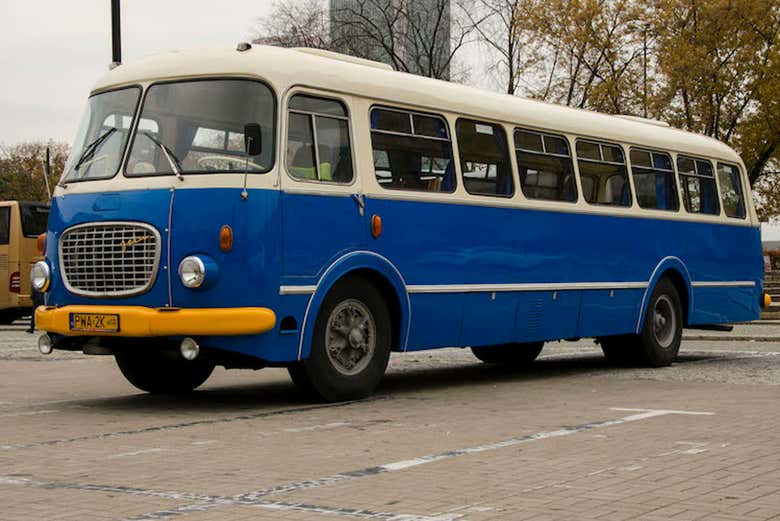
(53, 51)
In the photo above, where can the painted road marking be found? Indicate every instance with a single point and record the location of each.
(193, 423)
(259, 498)
(27, 413)
(207, 502)
(139, 452)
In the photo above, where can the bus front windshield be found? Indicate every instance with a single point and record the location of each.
(102, 136)
(197, 127)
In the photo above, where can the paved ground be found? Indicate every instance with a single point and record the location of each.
(446, 438)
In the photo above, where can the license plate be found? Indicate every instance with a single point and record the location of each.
(94, 322)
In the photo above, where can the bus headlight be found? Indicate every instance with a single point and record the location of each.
(198, 271)
(40, 276)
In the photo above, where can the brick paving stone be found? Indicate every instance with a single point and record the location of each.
(77, 442)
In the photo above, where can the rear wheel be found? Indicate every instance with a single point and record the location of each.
(619, 349)
(661, 334)
(659, 342)
(160, 372)
(350, 344)
(516, 354)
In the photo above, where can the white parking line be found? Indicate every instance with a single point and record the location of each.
(260, 499)
(139, 452)
(643, 414)
(26, 413)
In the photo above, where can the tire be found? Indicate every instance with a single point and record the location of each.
(619, 349)
(159, 372)
(355, 320)
(659, 342)
(516, 355)
(9, 316)
(301, 381)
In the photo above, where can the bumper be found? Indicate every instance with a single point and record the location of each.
(137, 321)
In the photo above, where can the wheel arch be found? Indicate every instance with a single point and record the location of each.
(675, 270)
(380, 273)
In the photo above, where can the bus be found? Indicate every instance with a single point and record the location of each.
(21, 222)
(261, 206)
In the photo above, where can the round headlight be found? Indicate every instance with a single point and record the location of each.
(40, 276)
(192, 272)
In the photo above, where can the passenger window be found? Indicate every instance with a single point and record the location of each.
(698, 186)
(603, 173)
(411, 151)
(484, 158)
(5, 225)
(731, 191)
(545, 167)
(318, 146)
(654, 180)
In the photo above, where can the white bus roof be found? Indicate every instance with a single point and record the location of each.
(283, 68)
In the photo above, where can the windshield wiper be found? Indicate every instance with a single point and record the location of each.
(89, 150)
(170, 156)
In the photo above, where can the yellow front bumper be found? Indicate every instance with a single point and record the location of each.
(137, 321)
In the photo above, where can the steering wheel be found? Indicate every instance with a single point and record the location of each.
(229, 161)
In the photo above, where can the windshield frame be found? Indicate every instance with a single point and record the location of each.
(142, 104)
(131, 132)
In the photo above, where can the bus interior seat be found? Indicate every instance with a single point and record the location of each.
(302, 164)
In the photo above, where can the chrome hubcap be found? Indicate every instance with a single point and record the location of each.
(664, 321)
(350, 337)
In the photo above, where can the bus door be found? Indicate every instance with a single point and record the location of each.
(5, 260)
(322, 205)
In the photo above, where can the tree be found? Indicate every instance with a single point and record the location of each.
(501, 26)
(591, 54)
(22, 171)
(295, 23)
(421, 37)
(719, 62)
(767, 196)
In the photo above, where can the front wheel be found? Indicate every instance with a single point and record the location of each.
(350, 344)
(159, 372)
(509, 354)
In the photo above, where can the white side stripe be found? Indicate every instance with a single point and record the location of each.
(297, 290)
(546, 286)
(724, 284)
(552, 286)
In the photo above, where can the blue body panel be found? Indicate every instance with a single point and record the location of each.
(284, 239)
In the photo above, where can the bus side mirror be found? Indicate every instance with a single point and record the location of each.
(253, 139)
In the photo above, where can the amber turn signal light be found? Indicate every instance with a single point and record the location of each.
(767, 300)
(376, 226)
(226, 238)
(42, 243)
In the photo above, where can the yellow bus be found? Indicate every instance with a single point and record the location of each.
(21, 222)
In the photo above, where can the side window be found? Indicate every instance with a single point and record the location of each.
(544, 163)
(318, 146)
(654, 182)
(731, 191)
(697, 181)
(484, 158)
(603, 173)
(5, 225)
(411, 151)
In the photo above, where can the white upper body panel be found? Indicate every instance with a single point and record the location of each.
(365, 83)
(284, 68)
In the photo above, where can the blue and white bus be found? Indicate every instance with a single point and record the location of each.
(293, 207)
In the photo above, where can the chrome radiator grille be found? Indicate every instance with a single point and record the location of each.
(109, 259)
